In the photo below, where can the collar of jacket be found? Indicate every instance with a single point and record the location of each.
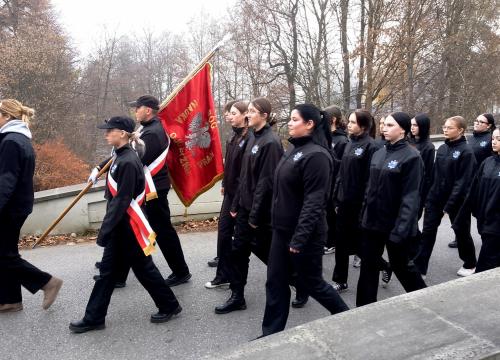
(339, 132)
(300, 141)
(359, 137)
(418, 140)
(497, 157)
(122, 149)
(396, 146)
(481, 133)
(261, 131)
(457, 142)
(238, 130)
(149, 122)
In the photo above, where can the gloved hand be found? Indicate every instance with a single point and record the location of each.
(93, 176)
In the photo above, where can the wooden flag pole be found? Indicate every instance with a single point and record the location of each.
(68, 208)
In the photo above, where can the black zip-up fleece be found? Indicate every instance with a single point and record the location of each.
(354, 169)
(235, 148)
(254, 194)
(484, 197)
(127, 171)
(393, 194)
(428, 154)
(17, 166)
(480, 142)
(339, 141)
(302, 183)
(453, 173)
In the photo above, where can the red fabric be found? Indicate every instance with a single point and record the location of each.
(195, 155)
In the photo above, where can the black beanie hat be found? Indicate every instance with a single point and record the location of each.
(403, 120)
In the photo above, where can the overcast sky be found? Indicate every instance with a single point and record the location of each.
(84, 20)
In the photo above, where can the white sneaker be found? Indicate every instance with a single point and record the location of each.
(216, 283)
(328, 250)
(465, 272)
(356, 262)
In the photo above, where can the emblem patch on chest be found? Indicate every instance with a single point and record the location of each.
(483, 143)
(455, 154)
(359, 151)
(297, 156)
(113, 168)
(242, 142)
(392, 164)
(255, 149)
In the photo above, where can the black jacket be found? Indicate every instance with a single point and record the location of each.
(339, 141)
(302, 183)
(354, 170)
(262, 154)
(453, 172)
(428, 154)
(393, 194)
(127, 171)
(480, 142)
(483, 199)
(235, 148)
(17, 166)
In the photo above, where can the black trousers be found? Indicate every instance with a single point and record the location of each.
(225, 234)
(309, 269)
(372, 248)
(158, 213)
(432, 220)
(489, 256)
(246, 241)
(121, 253)
(15, 271)
(331, 218)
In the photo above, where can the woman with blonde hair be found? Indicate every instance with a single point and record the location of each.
(17, 166)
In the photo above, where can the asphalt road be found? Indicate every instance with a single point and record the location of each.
(197, 331)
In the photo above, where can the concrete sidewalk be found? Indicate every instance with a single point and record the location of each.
(196, 332)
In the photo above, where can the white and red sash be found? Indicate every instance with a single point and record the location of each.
(144, 234)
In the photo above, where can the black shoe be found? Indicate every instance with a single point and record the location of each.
(160, 317)
(235, 302)
(339, 287)
(453, 244)
(118, 284)
(174, 280)
(300, 301)
(98, 265)
(83, 325)
(214, 262)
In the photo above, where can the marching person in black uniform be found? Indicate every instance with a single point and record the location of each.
(125, 233)
(483, 200)
(157, 208)
(390, 210)
(227, 118)
(302, 183)
(235, 148)
(17, 166)
(350, 189)
(420, 138)
(480, 141)
(252, 202)
(454, 169)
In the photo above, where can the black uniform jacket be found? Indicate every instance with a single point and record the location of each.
(484, 199)
(156, 141)
(453, 172)
(428, 154)
(339, 141)
(302, 183)
(393, 194)
(235, 148)
(354, 170)
(480, 142)
(128, 173)
(262, 154)
(17, 166)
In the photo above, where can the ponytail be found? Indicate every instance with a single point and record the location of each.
(16, 110)
(321, 133)
(137, 143)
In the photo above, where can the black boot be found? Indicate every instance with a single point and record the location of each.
(83, 325)
(235, 302)
(300, 300)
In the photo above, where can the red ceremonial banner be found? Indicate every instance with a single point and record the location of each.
(195, 155)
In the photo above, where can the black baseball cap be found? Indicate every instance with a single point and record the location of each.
(118, 122)
(146, 100)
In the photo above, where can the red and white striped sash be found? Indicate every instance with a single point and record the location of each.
(144, 234)
(151, 170)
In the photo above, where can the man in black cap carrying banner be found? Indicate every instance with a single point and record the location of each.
(157, 186)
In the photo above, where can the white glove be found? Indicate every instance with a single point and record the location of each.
(93, 176)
